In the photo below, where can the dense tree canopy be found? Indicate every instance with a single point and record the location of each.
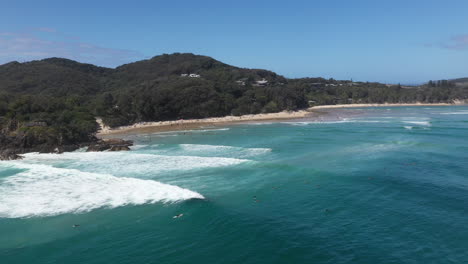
(57, 99)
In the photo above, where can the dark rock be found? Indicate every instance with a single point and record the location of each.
(66, 148)
(119, 148)
(118, 142)
(112, 144)
(9, 155)
(98, 147)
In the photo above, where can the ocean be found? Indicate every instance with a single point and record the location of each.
(376, 185)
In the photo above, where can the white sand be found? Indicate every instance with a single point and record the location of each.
(105, 130)
(194, 123)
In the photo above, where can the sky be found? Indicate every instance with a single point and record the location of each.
(397, 41)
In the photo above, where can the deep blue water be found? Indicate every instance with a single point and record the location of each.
(382, 185)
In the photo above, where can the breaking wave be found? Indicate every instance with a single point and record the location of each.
(192, 131)
(333, 122)
(131, 163)
(455, 113)
(43, 190)
(223, 150)
(137, 147)
(421, 123)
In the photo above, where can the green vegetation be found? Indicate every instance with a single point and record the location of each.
(54, 101)
(46, 122)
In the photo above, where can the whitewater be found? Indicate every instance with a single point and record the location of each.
(362, 185)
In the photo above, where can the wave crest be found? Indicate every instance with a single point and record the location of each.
(43, 190)
(223, 150)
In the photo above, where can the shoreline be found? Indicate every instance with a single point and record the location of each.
(162, 126)
(377, 105)
(190, 124)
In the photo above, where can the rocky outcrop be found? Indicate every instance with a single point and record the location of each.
(119, 148)
(11, 146)
(98, 147)
(14, 140)
(9, 154)
(113, 144)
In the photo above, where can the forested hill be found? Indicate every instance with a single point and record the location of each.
(55, 101)
(54, 76)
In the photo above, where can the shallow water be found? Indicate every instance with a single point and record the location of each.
(380, 185)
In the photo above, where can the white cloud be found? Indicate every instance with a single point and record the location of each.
(46, 42)
(459, 42)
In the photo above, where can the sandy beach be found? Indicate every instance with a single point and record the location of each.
(182, 124)
(316, 112)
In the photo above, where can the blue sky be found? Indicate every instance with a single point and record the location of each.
(390, 41)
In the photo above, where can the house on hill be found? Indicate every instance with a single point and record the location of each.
(190, 75)
(262, 82)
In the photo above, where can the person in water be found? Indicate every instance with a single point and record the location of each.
(177, 216)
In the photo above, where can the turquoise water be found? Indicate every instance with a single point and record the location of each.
(380, 185)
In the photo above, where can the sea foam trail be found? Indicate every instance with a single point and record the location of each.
(220, 150)
(421, 123)
(192, 131)
(43, 190)
(322, 122)
(131, 163)
(455, 113)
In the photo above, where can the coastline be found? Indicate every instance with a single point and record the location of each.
(376, 105)
(175, 125)
(162, 126)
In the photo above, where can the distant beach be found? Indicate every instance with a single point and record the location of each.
(188, 124)
(183, 124)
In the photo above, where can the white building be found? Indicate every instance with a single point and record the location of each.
(262, 82)
(191, 75)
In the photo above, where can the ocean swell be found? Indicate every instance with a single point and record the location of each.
(130, 163)
(43, 190)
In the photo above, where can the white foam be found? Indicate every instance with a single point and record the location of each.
(209, 130)
(421, 123)
(43, 190)
(314, 122)
(368, 121)
(131, 163)
(259, 123)
(192, 131)
(81, 149)
(408, 127)
(298, 123)
(220, 150)
(334, 122)
(456, 113)
(137, 147)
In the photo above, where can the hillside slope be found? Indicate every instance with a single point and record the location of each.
(54, 76)
(54, 101)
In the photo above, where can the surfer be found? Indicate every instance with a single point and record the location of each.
(75, 226)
